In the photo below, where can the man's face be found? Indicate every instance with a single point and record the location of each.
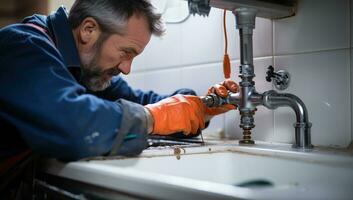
(113, 54)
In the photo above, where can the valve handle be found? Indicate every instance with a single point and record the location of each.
(270, 73)
(280, 79)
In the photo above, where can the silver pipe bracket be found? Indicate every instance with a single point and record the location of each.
(245, 18)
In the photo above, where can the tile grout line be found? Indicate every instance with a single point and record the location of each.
(350, 63)
(234, 60)
(273, 63)
(312, 52)
(351, 90)
(190, 65)
(349, 23)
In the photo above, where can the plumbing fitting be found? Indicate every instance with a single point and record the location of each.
(245, 18)
(280, 79)
(272, 100)
(248, 99)
(200, 7)
(213, 100)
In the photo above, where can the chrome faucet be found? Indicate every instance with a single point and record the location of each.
(248, 99)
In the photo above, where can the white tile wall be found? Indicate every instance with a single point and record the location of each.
(263, 118)
(164, 52)
(262, 40)
(54, 4)
(135, 80)
(322, 81)
(351, 13)
(351, 63)
(318, 25)
(139, 63)
(201, 39)
(161, 81)
(195, 41)
(201, 77)
(351, 24)
(216, 127)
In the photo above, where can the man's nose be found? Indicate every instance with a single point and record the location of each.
(125, 67)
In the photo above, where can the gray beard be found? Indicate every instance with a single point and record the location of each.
(95, 84)
(95, 79)
(92, 75)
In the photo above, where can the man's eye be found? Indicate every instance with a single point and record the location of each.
(123, 53)
(127, 55)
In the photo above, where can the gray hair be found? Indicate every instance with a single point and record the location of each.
(112, 15)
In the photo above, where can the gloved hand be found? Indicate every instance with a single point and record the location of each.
(179, 113)
(221, 89)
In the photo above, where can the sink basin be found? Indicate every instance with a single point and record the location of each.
(221, 170)
(234, 168)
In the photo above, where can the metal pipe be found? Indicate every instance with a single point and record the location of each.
(273, 100)
(245, 18)
(248, 99)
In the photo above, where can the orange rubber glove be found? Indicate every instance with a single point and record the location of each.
(222, 89)
(179, 113)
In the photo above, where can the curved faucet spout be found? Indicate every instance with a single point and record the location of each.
(273, 100)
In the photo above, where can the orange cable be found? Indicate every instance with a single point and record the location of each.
(226, 60)
(225, 32)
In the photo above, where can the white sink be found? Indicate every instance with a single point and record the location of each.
(216, 171)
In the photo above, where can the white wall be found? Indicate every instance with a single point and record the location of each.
(54, 4)
(351, 63)
(314, 46)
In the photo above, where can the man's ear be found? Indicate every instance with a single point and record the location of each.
(89, 31)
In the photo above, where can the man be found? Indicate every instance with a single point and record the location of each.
(61, 94)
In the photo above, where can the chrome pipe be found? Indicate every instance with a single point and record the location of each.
(273, 100)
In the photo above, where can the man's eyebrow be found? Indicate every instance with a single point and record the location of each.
(130, 50)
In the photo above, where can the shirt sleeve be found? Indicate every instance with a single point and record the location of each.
(120, 89)
(52, 112)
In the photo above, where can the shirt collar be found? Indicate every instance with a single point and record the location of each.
(61, 33)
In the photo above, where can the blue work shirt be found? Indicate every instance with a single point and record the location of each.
(44, 107)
